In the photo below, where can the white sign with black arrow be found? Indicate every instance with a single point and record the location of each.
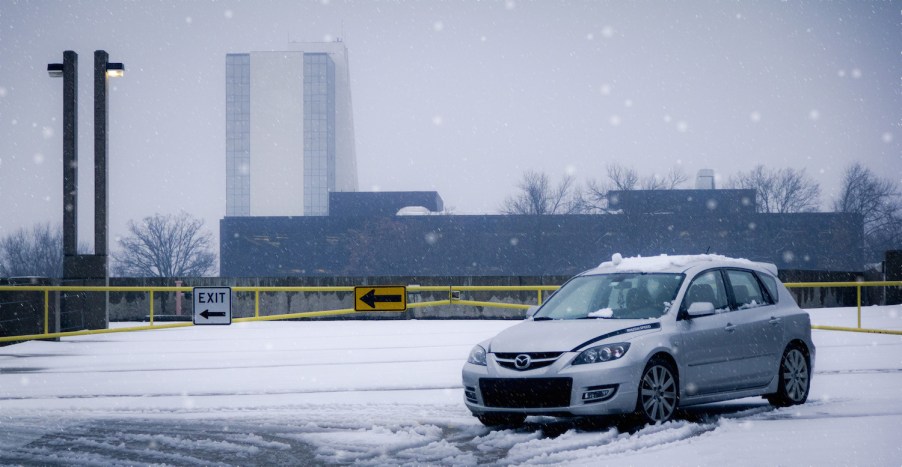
(212, 305)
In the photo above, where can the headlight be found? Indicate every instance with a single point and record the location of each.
(602, 353)
(477, 356)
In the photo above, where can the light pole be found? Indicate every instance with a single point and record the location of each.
(103, 69)
(68, 70)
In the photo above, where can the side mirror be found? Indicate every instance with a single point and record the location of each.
(699, 309)
(531, 311)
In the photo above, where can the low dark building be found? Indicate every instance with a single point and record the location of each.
(373, 241)
(388, 203)
(689, 202)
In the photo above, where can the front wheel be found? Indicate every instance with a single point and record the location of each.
(794, 379)
(658, 392)
(510, 420)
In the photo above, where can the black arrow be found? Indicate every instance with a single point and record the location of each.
(207, 313)
(370, 298)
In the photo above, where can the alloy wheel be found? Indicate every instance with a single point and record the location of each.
(658, 393)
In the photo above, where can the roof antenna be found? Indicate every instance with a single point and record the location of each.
(708, 249)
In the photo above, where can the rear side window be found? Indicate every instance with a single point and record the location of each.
(746, 289)
(771, 284)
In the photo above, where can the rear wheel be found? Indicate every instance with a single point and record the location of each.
(658, 392)
(510, 420)
(794, 379)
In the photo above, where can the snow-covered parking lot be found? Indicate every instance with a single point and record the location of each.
(388, 392)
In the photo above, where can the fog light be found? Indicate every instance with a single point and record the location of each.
(599, 393)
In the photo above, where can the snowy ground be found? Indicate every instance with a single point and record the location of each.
(376, 393)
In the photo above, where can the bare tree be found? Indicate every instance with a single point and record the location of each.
(619, 178)
(622, 178)
(669, 181)
(37, 251)
(779, 190)
(537, 196)
(166, 246)
(879, 203)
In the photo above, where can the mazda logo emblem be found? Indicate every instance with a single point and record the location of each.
(522, 361)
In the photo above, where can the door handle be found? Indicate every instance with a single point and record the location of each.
(774, 320)
(730, 327)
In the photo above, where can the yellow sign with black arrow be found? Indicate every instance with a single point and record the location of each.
(380, 298)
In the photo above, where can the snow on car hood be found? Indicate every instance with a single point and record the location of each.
(567, 335)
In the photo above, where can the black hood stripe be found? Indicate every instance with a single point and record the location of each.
(641, 327)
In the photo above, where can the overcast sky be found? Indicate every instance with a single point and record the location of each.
(458, 97)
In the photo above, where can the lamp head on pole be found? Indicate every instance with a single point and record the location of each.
(115, 70)
(55, 70)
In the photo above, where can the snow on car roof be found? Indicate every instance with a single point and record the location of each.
(665, 263)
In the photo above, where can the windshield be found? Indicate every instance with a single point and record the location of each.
(613, 296)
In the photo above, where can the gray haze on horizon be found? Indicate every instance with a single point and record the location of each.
(458, 97)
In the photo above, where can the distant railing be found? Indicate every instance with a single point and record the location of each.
(453, 298)
(858, 286)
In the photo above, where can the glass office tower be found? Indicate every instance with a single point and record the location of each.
(289, 131)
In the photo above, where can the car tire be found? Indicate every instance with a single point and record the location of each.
(496, 420)
(659, 392)
(794, 378)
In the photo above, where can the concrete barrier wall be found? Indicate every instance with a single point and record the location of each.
(22, 313)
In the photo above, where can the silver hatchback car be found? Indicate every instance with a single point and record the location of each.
(647, 335)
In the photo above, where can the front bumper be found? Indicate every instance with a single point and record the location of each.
(560, 389)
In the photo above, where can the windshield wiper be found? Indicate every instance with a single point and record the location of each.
(542, 318)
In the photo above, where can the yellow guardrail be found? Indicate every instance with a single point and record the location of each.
(858, 286)
(452, 291)
(453, 294)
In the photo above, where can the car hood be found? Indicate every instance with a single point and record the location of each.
(568, 335)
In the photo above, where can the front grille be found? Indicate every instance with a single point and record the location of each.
(526, 393)
(536, 360)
